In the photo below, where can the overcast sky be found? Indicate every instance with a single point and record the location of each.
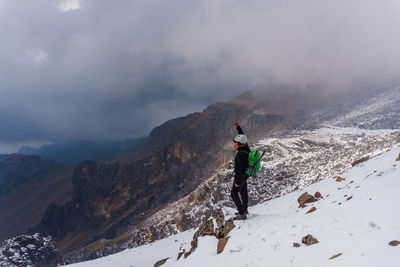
(105, 70)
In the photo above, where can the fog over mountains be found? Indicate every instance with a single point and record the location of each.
(75, 70)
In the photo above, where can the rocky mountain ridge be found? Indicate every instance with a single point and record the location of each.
(28, 184)
(295, 158)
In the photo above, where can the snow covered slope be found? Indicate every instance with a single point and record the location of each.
(356, 217)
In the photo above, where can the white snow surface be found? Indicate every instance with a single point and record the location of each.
(360, 228)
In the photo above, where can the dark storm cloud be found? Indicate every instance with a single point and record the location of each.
(96, 70)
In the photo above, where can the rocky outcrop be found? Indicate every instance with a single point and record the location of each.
(207, 228)
(29, 250)
(394, 243)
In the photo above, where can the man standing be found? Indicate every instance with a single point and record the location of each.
(239, 188)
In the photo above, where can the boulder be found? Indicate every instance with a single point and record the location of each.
(304, 199)
(394, 243)
(296, 245)
(309, 240)
(398, 158)
(221, 244)
(160, 262)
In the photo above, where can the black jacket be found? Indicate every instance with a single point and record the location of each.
(241, 162)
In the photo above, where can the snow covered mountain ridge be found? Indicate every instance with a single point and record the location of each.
(356, 223)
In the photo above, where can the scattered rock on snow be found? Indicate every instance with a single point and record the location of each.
(311, 210)
(309, 240)
(340, 179)
(160, 262)
(317, 195)
(296, 245)
(347, 199)
(394, 243)
(335, 256)
(221, 244)
(304, 199)
(398, 158)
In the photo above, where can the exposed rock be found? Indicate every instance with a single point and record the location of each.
(221, 244)
(340, 179)
(356, 162)
(296, 245)
(180, 255)
(335, 256)
(228, 226)
(29, 250)
(347, 199)
(309, 240)
(160, 262)
(398, 158)
(394, 243)
(207, 228)
(311, 210)
(187, 254)
(304, 199)
(317, 195)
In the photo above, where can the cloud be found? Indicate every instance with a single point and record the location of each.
(37, 56)
(68, 5)
(115, 69)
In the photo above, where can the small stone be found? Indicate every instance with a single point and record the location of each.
(296, 245)
(311, 210)
(221, 244)
(317, 195)
(309, 240)
(351, 182)
(340, 179)
(394, 243)
(160, 262)
(335, 256)
(398, 158)
(347, 199)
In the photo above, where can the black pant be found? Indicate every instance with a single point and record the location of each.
(242, 200)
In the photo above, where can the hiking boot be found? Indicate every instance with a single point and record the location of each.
(240, 217)
(246, 212)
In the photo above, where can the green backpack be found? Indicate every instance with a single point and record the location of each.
(254, 162)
